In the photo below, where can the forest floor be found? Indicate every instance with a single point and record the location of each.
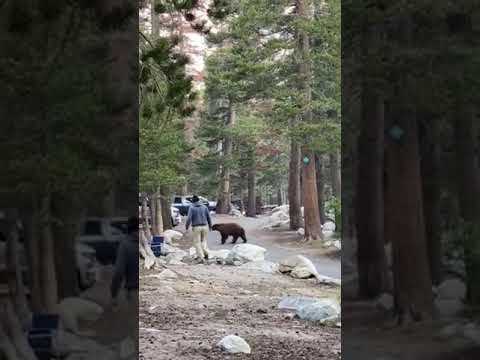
(185, 317)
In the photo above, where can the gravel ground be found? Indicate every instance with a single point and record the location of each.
(184, 318)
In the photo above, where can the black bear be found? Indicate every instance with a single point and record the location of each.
(230, 229)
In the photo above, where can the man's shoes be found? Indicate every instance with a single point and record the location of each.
(206, 256)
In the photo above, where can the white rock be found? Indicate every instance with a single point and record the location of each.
(448, 307)
(295, 302)
(234, 344)
(326, 310)
(172, 235)
(338, 244)
(329, 226)
(297, 261)
(301, 273)
(263, 266)
(327, 280)
(452, 289)
(385, 302)
(245, 253)
(175, 258)
(219, 254)
(301, 231)
(72, 310)
(192, 251)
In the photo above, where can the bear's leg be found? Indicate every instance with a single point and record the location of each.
(234, 240)
(224, 238)
(243, 237)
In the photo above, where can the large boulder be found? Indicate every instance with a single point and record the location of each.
(175, 257)
(298, 266)
(295, 302)
(171, 236)
(323, 310)
(219, 254)
(452, 289)
(234, 344)
(262, 265)
(449, 307)
(244, 253)
(73, 310)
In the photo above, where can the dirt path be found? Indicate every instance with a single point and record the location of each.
(279, 244)
(183, 318)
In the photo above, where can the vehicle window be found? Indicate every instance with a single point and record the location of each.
(188, 199)
(92, 228)
(177, 200)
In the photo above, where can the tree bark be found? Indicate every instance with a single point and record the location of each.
(469, 195)
(166, 211)
(335, 175)
(294, 193)
(224, 196)
(252, 179)
(313, 228)
(47, 260)
(158, 212)
(406, 226)
(320, 169)
(371, 258)
(431, 173)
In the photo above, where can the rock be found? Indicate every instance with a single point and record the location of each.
(295, 302)
(237, 263)
(323, 310)
(329, 226)
(328, 243)
(452, 289)
(68, 343)
(449, 308)
(301, 273)
(301, 231)
(235, 212)
(171, 235)
(297, 261)
(234, 344)
(263, 266)
(73, 310)
(385, 302)
(472, 333)
(338, 244)
(176, 257)
(326, 280)
(219, 254)
(165, 274)
(245, 253)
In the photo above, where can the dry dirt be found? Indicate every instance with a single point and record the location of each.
(184, 318)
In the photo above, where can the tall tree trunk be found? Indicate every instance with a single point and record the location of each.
(320, 169)
(47, 260)
(279, 196)
(335, 176)
(406, 226)
(32, 243)
(145, 219)
(252, 180)
(469, 195)
(371, 258)
(166, 205)
(224, 196)
(154, 20)
(431, 173)
(313, 228)
(158, 212)
(294, 193)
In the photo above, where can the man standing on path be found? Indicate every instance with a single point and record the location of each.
(199, 218)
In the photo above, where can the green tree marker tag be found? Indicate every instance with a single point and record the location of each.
(396, 133)
(306, 160)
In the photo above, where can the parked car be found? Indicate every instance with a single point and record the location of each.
(103, 235)
(183, 203)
